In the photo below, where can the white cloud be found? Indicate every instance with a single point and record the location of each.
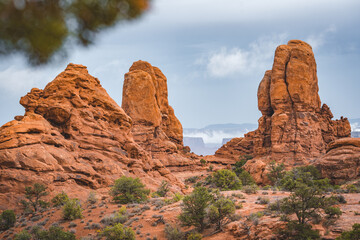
(317, 40)
(18, 81)
(258, 56)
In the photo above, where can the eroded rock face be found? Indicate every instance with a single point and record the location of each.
(74, 133)
(342, 160)
(145, 100)
(294, 127)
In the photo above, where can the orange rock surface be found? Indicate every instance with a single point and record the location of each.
(74, 133)
(294, 127)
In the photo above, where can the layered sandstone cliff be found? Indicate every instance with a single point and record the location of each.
(294, 128)
(74, 133)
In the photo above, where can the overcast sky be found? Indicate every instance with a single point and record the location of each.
(214, 54)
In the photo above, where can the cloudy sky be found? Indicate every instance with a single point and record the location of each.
(214, 54)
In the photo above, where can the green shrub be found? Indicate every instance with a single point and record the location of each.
(332, 214)
(33, 195)
(353, 234)
(251, 189)
(92, 199)
(220, 210)
(120, 217)
(194, 236)
(194, 208)
(192, 179)
(263, 200)
(118, 232)
(298, 231)
(54, 233)
(72, 210)
(211, 168)
(246, 178)
(203, 162)
(177, 197)
(226, 180)
(60, 199)
(174, 233)
(7, 219)
(163, 189)
(128, 189)
(276, 173)
(351, 188)
(23, 235)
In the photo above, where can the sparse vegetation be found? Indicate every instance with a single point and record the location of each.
(177, 197)
(23, 235)
(226, 180)
(92, 199)
(203, 162)
(163, 189)
(72, 210)
(54, 233)
(276, 173)
(60, 199)
(174, 233)
(192, 179)
(118, 232)
(128, 190)
(7, 219)
(33, 195)
(238, 166)
(250, 189)
(353, 234)
(220, 211)
(263, 200)
(194, 236)
(194, 208)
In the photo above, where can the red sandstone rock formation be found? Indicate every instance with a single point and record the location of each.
(342, 160)
(74, 133)
(294, 128)
(145, 100)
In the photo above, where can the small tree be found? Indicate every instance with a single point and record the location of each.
(194, 208)
(7, 219)
(220, 210)
(33, 194)
(128, 189)
(246, 178)
(276, 173)
(163, 189)
(353, 234)
(226, 180)
(118, 232)
(72, 210)
(60, 199)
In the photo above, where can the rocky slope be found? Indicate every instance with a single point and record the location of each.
(294, 127)
(74, 134)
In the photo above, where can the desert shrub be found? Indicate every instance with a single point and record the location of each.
(194, 208)
(118, 232)
(263, 200)
(298, 231)
(332, 214)
(128, 189)
(33, 195)
(250, 189)
(275, 206)
(174, 233)
(238, 206)
(307, 175)
(238, 166)
(226, 180)
(163, 189)
(353, 234)
(203, 162)
(120, 217)
(194, 236)
(351, 188)
(276, 173)
(177, 197)
(340, 199)
(54, 233)
(92, 199)
(246, 178)
(254, 218)
(192, 179)
(72, 210)
(23, 235)
(7, 219)
(211, 168)
(60, 199)
(220, 211)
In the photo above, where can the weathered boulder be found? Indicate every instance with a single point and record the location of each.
(73, 133)
(342, 160)
(294, 128)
